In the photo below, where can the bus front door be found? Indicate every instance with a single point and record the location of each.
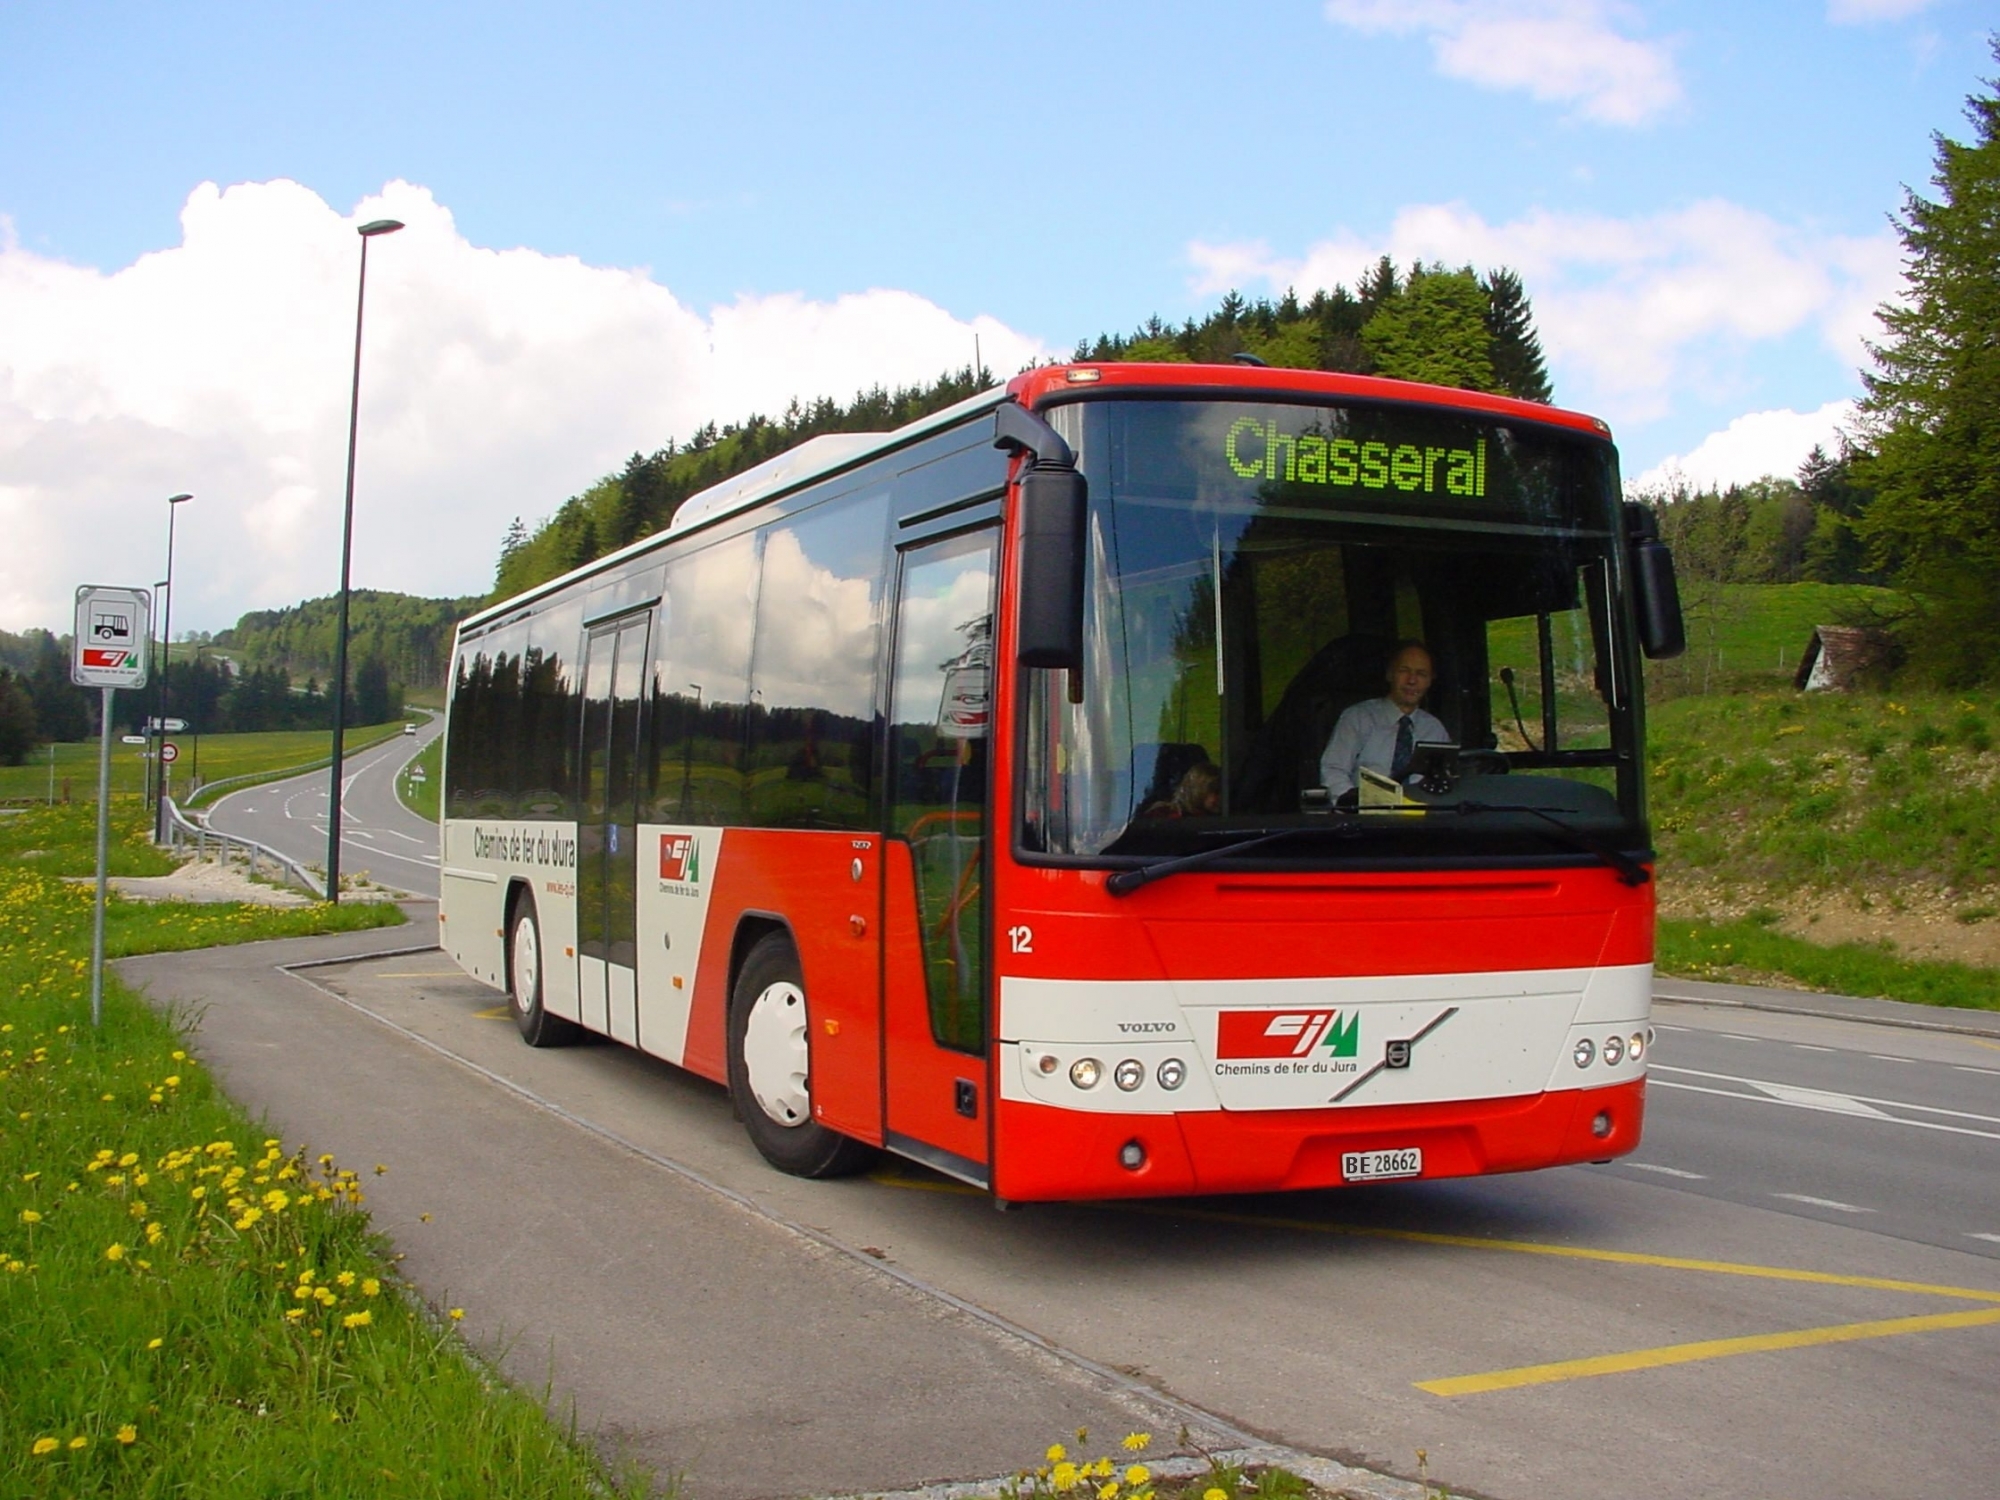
(934, 927)
(607, 835)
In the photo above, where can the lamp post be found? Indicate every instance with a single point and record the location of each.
(367, 232)
(174, 503)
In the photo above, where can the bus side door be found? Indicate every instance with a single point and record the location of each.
(607, 835)
(935, 858)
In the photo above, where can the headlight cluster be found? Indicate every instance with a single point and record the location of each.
(1129, 1075)
(1615, 1049)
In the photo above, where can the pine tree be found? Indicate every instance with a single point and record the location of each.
(1515, 350)
(1932, 412)
(1434, 331)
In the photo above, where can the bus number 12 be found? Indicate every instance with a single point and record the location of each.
(1021, 939)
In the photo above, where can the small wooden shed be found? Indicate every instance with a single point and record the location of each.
(1840, 658)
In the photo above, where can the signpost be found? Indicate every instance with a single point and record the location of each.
(112, 628)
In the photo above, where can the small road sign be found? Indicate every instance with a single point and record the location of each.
(111, 629)
(165, 726)
(170, 752)
(132, 739)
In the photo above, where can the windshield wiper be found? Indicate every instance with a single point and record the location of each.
(1127, 881)
(1630, 871)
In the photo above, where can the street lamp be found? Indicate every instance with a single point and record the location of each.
(367, 232)
(174, 503)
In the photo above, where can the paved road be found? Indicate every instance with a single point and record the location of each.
(380, 837)
(1893, 1131)
(1786, 1292)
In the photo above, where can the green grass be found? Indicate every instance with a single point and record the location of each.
(1752, 635)
(190, 1306)
(421, 797)
(1748, 952)
(1829, 790)
(221, 756)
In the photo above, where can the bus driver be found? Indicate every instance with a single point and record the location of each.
(1382, 733)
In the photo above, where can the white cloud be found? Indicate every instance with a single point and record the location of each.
(494, 383)
(1866, 12)
(1630, 311)
(1560, 51)
(1755, 445)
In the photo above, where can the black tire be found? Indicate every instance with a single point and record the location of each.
(524, 980)
(770, 1076)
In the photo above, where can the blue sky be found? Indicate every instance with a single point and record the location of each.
(626, 219)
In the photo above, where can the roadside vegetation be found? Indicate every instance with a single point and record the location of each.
(191, 1304)
(419, 792)
(221, 757)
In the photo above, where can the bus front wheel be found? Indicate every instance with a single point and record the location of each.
(524, 980)
(770, 1067)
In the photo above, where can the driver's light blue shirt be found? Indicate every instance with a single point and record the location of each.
(1366, 736)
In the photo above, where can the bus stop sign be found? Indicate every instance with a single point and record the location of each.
(112, 626)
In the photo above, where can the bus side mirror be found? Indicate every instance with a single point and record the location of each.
(1053, 502)
(1656, 593)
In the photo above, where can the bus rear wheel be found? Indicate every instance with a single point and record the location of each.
(524, 980)
(770, 1068)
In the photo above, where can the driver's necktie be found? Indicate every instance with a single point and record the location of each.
(1406, 744)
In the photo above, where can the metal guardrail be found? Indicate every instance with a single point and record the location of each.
(182, 831)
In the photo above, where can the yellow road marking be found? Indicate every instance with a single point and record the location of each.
(497, 1013)
(1978, 1043)
(890, 1177)
(1581, 1252)
(1681, 1354)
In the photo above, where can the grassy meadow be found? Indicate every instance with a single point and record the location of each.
(192, 1306)
(219, 757)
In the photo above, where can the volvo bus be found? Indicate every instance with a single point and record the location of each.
(859, 789)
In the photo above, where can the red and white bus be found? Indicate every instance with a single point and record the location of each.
(862, 789)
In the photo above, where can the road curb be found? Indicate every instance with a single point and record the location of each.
(1870, 1011)
(1325, 1474)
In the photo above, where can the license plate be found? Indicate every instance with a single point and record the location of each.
(1374, 1166)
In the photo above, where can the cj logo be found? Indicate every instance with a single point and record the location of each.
(1287, 1033)
(680, 857)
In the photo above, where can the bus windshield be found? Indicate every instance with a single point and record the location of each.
(1255, 571)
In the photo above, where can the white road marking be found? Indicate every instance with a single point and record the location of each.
(1992, 1238)
(1730, 1036)
(1650, 1166)
(1809, 1047)
(1837, 1104)
(1771, 1094)
(1884, 1057)
(1983, 1072)
(1808, 1199)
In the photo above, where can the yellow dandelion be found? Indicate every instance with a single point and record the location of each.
(1212, 1493)
(370, 1287)
(178, 1056)
(345, 1278)
(78, 1443)
(44, 1446)
(1064, 1475)
(154, 1343)
(295, 1313)
(457, 1314)
(173, 1080)
(1134, 1441)
(1138, 1474)
(114, 1251)
(128, 1434)
(1108, 1490)
(29, 1216)
(1057, 1453)
(357, 1319)
(129, 1159)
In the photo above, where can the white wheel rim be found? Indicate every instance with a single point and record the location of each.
(774, 1053)
(527, 965)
